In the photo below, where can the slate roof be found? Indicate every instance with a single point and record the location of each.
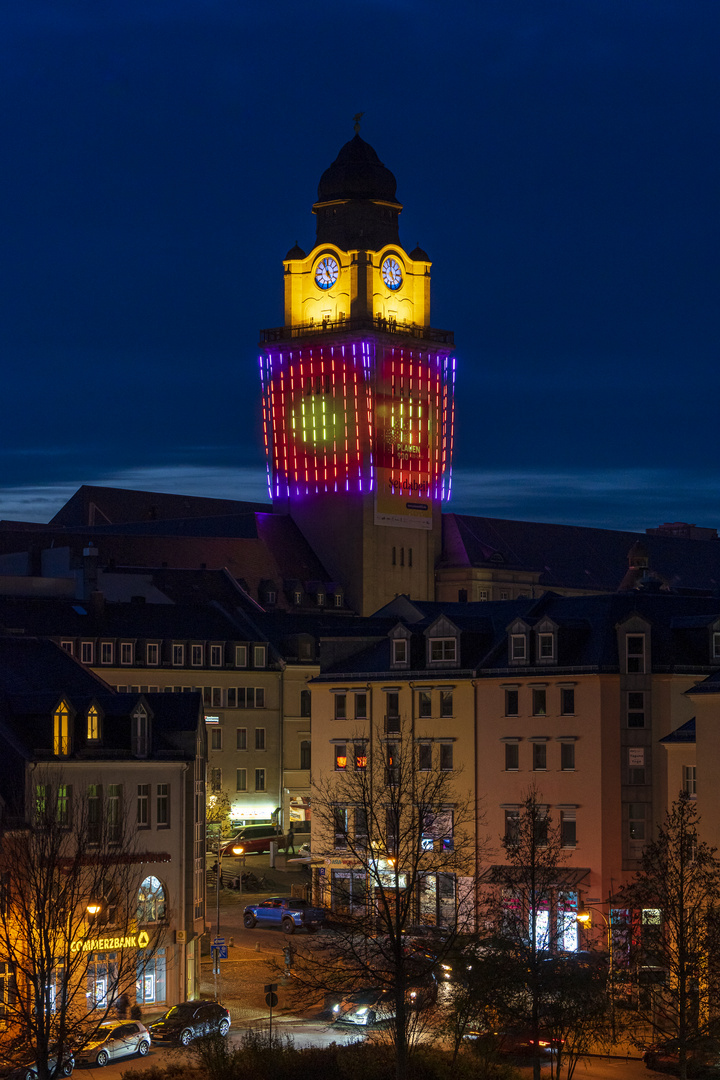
(95, 505)
(586, 636)
(684, 734)
(576, 556)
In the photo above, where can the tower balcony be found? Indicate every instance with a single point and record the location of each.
(355, 326)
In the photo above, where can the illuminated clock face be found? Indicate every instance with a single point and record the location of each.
(326, 272)
(392, 274)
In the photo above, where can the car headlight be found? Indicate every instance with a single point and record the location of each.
(362, 1010)
(336, 1008)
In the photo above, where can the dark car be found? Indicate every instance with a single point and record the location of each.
(190, 1020)
(703, 1057)
(29, 1071)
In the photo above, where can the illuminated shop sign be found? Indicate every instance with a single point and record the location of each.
(105, 944)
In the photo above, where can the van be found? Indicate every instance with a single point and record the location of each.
(253, 839)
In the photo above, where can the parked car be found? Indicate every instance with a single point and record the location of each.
(253, 839)
(189, 1020)
(516, 1042)
(703, 1057)
(289, 912)
(113, 1040)
(29, 1071)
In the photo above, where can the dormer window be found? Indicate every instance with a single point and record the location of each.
(61, 730)
(93, 724)
(443, 650)
(338, 599)
(635, 654)
(400, 651)
(518, 648)
(140, 732)
(297, 598)
(320, 598)
(716, 646)
(546, 647)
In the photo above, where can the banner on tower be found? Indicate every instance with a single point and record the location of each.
(400, 507)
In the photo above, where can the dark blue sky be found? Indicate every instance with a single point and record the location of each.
(559, 160)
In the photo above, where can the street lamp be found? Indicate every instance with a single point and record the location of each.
(585, 919)
(93, 909)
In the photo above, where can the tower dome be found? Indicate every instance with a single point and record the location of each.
(356, 206)
(357, 173)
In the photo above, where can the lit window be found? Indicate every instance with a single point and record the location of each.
(635, 644)
(153, 655)
(259, 779)
(126, 652)
(64, 802)
(241, 656)
(86, 652)
(340, 706)
(93, 724)
(241, 779)
(399, 651)
(442, 650)
(259, 656)
(61, 730)
(216, 655)
(512, 757)
(437, 831)
(151, 904)
(361, 755)
(178, 655)
(567, 701)
(106, 652)
(568, 831)
(196, 655)
(340, 757)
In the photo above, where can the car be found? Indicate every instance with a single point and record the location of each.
(115, 1039)
(189, 1020)
(30, 1070)
(253, 839)
(288, 912)
(366, 1007)
(703, 1057)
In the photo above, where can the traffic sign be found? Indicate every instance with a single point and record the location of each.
(271, 1000)
(271, 988)
(218, 941)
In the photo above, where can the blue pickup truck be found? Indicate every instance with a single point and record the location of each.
(285, 911)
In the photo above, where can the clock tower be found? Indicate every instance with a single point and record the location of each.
(358, 392)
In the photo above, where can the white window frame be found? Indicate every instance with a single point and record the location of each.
(400, 651)
(87, 652)
(259, 656)
(107, 652)
(448, 648)
(196, 655)
(518, 648)
(127, 653)
(542, 640)
(178, 655)
(241, 656)
(241, 779)
(152, 654)
(216, 656)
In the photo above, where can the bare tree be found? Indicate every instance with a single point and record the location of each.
(408, 835)
(70, 873)
(675, 938)
(527, 955)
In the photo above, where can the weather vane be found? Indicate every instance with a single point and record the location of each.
(357, 118)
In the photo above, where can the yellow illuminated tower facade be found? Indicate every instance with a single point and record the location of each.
(358, 388)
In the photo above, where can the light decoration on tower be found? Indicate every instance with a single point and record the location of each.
(361, 416)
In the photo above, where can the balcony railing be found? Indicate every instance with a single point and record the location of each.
(345, 326)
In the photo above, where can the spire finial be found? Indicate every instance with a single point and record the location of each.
(357, 118)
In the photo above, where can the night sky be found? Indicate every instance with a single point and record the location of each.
(559, 161)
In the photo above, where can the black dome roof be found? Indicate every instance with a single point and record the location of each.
(357, 173)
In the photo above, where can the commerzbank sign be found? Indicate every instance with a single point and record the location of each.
(103, 944)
